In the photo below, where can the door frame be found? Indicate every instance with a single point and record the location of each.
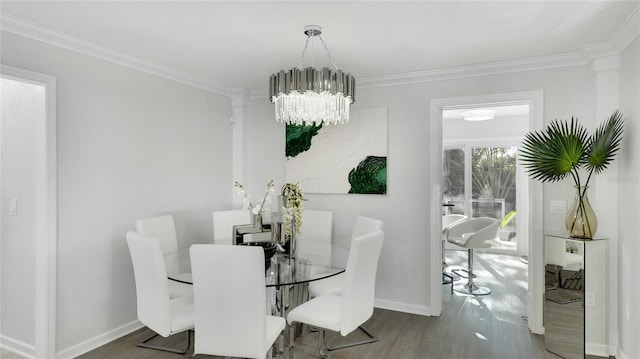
(533, 225)
(46, 212)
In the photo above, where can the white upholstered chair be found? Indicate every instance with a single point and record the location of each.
(314, 239)
(230, 297)
(223, 222)
(346, 312)
(163, 228)
(156, 309)
(333, 285)
(448, 221)
(471, 234)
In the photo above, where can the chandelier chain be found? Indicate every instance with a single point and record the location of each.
(326, 49)
(333, 62)
(304, 52)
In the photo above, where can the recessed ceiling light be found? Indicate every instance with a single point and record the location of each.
(478, 115)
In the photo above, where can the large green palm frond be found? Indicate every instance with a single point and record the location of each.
(551, 155)
(605, 143)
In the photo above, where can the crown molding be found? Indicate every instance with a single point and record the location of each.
(624, 35)
(486, 69)
(30, 30)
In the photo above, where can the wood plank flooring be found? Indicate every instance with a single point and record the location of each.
(490, 327)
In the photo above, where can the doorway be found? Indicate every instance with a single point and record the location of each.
(530, 217)
(481, 177)
(29, 212)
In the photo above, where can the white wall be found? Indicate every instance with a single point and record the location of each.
(130, 145)
(628, 265)
(22, 108)
(403, 273)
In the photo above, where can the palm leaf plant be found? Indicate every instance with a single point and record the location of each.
(565, 149)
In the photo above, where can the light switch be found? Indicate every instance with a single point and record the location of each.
(590, 299)
(13, 207)
(558, 207)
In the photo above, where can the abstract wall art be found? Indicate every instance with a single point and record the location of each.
(347, 158)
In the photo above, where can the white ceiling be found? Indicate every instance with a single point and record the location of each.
(223, 44)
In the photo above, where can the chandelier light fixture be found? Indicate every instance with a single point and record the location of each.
(308, 96)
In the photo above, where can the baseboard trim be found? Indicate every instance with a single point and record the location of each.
(621, 355)
(17, 347)
(601, 350)
(402, 307)
(99, 340)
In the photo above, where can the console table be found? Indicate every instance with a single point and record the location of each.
(575, 306)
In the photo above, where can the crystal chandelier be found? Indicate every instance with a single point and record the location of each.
(310, 96)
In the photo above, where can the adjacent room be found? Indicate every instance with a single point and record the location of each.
(309, 179)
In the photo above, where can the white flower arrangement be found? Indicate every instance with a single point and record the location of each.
(246, 202)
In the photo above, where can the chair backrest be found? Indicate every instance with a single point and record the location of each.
(229, 300)
(223, 222)
(360, 281)
(152, 290)
(366, 225)
(164, 230)
(450, 219)
(475, 232)
(314, 239)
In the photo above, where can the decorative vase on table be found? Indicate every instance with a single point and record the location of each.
(581, 220)
(256, 220)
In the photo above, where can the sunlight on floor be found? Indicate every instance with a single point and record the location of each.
(505, 275)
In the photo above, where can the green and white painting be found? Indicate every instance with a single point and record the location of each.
(347, 158)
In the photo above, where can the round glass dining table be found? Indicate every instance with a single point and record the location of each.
(286, 278)
(283, 270)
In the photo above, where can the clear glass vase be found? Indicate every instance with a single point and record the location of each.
(581, 220)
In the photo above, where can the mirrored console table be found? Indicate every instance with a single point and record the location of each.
(575, 305)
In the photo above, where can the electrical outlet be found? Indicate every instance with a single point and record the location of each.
(13, 206)
(558, 207)
(590, 299)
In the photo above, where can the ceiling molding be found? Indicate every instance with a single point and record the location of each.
(627, 32)
(36, 32)
(624, 35)
(487, 69)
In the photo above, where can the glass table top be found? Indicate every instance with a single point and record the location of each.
(281, 270)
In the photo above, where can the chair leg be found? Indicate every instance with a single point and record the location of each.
(322, 343)
(291, 337)
(372, 339)
(470, 288)
(143, 344)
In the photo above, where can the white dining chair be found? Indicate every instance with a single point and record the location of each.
(163, 228)
(314, 239)
(223, 222)
(333, 285)
(346, 312)
(156, 309)
(471, 234)
(230, 297)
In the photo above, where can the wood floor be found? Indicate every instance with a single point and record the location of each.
(490, 327)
